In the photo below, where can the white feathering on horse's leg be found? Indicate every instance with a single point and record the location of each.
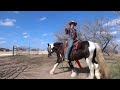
(74, 73)
(52, 71)
(97, 72)
(91, 67)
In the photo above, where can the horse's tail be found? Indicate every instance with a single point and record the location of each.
(101, 61)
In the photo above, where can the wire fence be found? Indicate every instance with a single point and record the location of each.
(28, 51)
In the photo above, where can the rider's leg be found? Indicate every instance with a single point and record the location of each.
(70, 42)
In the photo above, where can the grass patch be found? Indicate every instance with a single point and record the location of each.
(115, 70)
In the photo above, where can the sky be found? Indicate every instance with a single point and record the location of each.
(37, 28)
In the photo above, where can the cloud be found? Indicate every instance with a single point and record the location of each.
(2, 42)
(43, 42)
(7, 22)
(17, 27)
(2, 38)
(103, 32)
(27, 36)
(51, 33)
(24, 33)
(16, 12)
(45, 34)
(43, 18)
(112, 23)
(118, 40)
(114, 32)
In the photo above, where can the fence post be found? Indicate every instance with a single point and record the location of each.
(13, 50)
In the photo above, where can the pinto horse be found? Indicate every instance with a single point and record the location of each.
(88, 50)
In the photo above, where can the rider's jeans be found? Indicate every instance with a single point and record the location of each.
(70, 42)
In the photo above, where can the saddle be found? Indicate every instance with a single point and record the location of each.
(76, 43)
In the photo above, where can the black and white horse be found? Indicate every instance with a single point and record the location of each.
(90, 51)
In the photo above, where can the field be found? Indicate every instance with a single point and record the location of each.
(39, 66)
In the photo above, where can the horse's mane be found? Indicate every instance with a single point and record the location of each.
(58, 43)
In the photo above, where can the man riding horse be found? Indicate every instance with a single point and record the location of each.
(71, 35)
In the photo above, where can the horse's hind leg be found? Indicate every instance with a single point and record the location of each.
(97, 72)
(91, 67)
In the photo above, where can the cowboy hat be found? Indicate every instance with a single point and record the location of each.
(73, 22)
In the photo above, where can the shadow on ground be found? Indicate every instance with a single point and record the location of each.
(84, 70)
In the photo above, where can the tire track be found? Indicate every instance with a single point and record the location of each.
(12, 72)
(19, 73)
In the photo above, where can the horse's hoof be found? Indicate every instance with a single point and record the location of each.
(89, 77)
(51, 72)
(73, 75)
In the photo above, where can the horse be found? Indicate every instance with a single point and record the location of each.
(88, 50)
(49, 49)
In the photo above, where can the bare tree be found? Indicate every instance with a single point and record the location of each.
(117, 13)
(60, 36)
(95, 31)
(98, 32)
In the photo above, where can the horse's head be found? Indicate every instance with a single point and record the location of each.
(54, 47)
(50, 49)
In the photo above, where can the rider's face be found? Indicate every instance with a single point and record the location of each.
(72, 25)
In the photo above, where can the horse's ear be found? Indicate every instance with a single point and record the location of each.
(48, 44)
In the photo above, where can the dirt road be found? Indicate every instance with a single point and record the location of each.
(37, 68)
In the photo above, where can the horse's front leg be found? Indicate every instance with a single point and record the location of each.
(54, 67)
(74, 72)
(56, 64)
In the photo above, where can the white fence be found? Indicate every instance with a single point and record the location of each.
(10, 53)
(30, 52)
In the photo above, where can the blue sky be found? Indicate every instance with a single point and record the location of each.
(20, 27)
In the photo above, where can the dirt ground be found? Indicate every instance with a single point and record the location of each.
(37, 67)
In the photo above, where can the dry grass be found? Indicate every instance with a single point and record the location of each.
(113, 62)
(115, 70)
(29, 59)
(2, 52)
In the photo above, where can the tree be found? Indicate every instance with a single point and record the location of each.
(97, 31)
(60, 36)
(117, 13)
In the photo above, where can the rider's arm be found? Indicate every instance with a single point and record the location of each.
(66, 31)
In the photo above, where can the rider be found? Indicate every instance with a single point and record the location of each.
(71, 35)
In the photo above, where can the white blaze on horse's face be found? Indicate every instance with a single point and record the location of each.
(51, 47)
